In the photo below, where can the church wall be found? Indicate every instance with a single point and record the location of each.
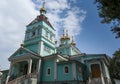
(62, 76)
(79, 72)
(47, 64)
(33, 47)
(34, 25)
(47, 50)
(64, 50)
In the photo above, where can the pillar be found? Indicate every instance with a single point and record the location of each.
(55, 70)
(38, 70)
(29, 66)
(10, 70)
(40, 49)
(74, 71)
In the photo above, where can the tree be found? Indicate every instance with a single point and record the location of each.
(114, 67)
(109, 11)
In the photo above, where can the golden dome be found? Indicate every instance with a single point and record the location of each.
(43, 9)
(73, 43)
(65, 37)
(62, 38)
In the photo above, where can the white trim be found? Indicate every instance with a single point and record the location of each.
(63, 58)
(74, 71)
(55, 70)
(70, 50)
(29, 66)
(41, 47)
(38, 70)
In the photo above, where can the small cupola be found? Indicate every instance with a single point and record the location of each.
(67, 36)
(43, 9)
(73, 42)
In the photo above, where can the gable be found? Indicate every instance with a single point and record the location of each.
(21, 52)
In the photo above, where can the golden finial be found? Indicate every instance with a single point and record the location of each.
(43, 10)
(63, 36)
(73, 42)
(67, 36)
(22, 44)
(63, 32)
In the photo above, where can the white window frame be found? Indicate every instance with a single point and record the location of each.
(47, 71)
(64, 70)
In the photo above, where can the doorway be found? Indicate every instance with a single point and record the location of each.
(95, 71)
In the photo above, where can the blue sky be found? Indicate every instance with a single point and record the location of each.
(80, 17)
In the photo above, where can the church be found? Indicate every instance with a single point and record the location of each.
(39, 60)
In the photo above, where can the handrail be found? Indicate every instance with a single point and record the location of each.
(17, 80)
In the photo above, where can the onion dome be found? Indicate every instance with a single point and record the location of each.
(73, 42)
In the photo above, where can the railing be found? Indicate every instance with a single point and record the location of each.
(22, 78)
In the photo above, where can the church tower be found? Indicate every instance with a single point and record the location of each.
(40, 35)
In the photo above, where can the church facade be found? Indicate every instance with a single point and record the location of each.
(39, 60)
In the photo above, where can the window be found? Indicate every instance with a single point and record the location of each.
(47, 34)
(66, 70)
(38, 32)
(48, 71)
(51, 37)
(33, 34)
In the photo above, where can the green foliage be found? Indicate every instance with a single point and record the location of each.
(109, 11)
(115, 65)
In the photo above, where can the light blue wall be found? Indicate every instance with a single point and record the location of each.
(33, 47)
(45, 65)
(79, 73)
(61, 75)
(33, 42)
(47, 50)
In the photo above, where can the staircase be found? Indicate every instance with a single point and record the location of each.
(24, 79)
(95, 81)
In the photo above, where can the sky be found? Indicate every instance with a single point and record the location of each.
(79, 17)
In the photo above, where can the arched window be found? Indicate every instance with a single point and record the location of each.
(66, 70)
(48, 71)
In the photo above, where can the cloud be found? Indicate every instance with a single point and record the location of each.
(16, 14)
(63, 14)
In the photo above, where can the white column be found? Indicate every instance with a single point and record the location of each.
(39, 70)
(41, 47)
(10, 70)
(55, 70)
(29, 66)
(74, 70)
(38, 66)
(71, 50)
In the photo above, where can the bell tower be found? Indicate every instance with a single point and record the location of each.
(40, 35)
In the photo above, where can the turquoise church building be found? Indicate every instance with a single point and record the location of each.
(40, 60)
